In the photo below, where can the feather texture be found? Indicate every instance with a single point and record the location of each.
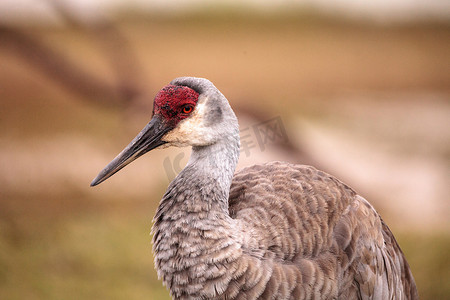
(288, 232)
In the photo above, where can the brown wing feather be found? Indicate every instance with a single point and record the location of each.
(311, 236)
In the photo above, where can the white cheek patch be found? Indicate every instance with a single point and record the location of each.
(190, 131)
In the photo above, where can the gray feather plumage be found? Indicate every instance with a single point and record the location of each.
(272, 231)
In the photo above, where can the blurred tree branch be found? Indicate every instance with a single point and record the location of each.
(57, 66)
(68, 73)
(114, 45)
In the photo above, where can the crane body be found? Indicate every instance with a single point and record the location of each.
(270, 231)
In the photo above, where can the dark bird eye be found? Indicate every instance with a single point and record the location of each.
(187, 109)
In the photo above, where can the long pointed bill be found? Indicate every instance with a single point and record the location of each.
(149, 138)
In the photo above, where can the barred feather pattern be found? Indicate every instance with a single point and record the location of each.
(284, 232)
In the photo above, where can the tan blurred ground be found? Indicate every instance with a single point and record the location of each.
(367, 103)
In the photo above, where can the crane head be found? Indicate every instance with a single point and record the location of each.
(187, 112)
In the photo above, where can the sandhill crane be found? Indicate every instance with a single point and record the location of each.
(271, 231)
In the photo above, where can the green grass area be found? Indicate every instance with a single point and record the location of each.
(91, 255)
(428, 257)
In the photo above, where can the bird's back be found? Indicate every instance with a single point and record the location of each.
(322, 239)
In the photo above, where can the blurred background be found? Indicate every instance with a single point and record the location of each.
(358, 89)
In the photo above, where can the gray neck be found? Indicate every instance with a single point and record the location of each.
(204, 184)
(192, 223)
(217, 161)
(209, 172)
